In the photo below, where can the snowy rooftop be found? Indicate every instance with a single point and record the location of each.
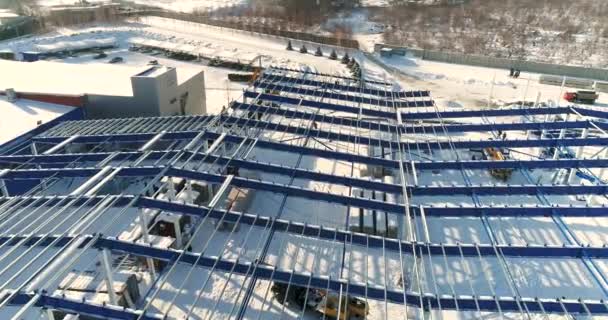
(74, 79)
(23, 115)
(327, 185)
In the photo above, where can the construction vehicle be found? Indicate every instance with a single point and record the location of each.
(494, 154)
(581, 96)
(321, 301)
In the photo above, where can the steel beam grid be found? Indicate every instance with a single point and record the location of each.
(417, 115)
(421, 300)
(266, 83)
(345, 88)
(348, 138)
(447, 302)
(59, 161)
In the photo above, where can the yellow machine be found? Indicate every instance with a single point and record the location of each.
(351, 308)
(496, 155)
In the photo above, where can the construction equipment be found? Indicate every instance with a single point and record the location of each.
(494, 154)
(581, 96)
(322, 302)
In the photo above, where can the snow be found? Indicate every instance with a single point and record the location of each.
(23, 115)
(174, 5)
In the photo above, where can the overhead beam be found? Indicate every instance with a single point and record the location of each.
(429, 211)
(503, 112)
(252, 164)
(273, 77)
(415, 129)
(327, 93)
(270, 273)
(479, 190)
(439, 144)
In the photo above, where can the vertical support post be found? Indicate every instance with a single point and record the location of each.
(562, 134)
(3, 188)
(49, 314)
(427, 237)
(579, 154)
(603, 170)
(106, 257)
(33, 148)
(414, 174)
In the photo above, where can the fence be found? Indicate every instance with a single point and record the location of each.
(347, 43)
(502, 63)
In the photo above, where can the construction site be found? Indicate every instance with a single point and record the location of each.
(315, 196)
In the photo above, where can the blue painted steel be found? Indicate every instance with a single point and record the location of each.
(394, 245)
(462, 211)
(458, 144)
(504, 190)
(431, 114)
(59, 159)
(419, 129)
(346, 88)
(327, 93)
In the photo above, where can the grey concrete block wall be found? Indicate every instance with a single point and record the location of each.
(502, 63)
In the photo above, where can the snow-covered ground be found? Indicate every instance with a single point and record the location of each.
(175, 5)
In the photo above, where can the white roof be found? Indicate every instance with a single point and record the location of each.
(75, 45)
(75, 79)
(23, 115)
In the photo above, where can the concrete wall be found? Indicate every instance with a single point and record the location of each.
(192, 94)
(490, 62)
(154, 94)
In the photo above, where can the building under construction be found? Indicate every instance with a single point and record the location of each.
(316, 196)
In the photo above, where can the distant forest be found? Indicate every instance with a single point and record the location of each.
(563, 31)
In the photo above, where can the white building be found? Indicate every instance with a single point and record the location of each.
(112, 91)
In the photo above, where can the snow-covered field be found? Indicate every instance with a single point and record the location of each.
(179, 5)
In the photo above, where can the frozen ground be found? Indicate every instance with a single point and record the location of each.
(175, 5)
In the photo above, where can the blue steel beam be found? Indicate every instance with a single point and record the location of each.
(270, 273)
(59, 159)
(329, 94)
(417, 129)
(506, 112)
(429, 211)
(270, 77)
(342, 236)
(457, 144)
(393, 245)
(501, 190)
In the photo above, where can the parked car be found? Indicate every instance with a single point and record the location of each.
(116, 60)
(100, 55)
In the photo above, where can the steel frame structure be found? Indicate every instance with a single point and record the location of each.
(309, 117)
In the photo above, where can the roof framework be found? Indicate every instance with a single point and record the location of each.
(309, 146)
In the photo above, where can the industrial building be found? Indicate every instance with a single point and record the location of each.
(315, 196)
(110, 91)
